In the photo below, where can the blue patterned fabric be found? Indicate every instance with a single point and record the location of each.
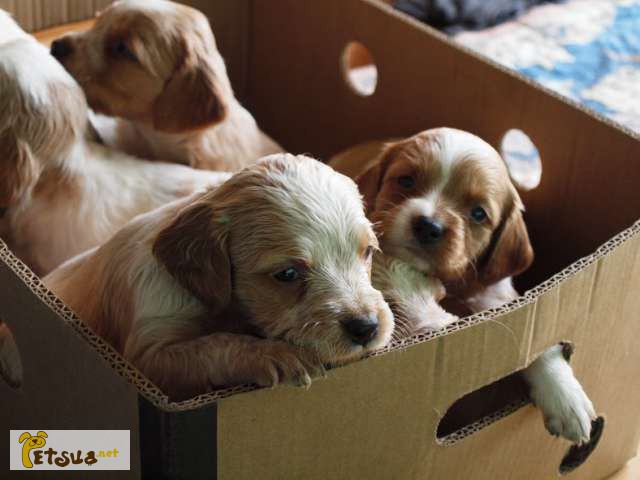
(588, 50)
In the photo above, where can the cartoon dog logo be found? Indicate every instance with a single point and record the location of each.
(32, 442)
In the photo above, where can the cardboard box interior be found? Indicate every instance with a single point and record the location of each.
(285, 61)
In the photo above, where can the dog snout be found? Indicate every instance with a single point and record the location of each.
(426, 230)
(361, 330)
(61, 48)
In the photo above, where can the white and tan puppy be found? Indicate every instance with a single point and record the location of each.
(447, 211)
(263, 280)
(155, 65)
(61, 194)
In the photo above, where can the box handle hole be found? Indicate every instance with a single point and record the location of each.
(10, 361)
(481, 408)
(359, 69)
(578, 454)
(522, 158)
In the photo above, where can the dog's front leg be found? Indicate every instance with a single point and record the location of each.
(189, 367)
(566, 408)
(555, 390)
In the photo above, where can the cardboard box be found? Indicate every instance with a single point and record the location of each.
(378, 418)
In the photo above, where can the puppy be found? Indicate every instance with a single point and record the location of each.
(264, 279)
(59, 193)
(447, 211)
(155, 65)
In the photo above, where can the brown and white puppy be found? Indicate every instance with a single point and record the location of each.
(59, 193)
(264, 279)
(155, 65)
(447, 211)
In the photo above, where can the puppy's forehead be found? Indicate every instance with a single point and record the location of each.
(148, 6)
(313, 209)
(450, 147)
(160, 12)
(444, 155)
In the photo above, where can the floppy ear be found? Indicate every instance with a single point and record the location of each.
(24, 436)
(510, 251)
(192, 99)
(370, 181)
(193, 250)
(42, 434)
(18, 167)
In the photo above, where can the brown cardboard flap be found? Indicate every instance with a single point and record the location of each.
(377, 418)
(71, 383)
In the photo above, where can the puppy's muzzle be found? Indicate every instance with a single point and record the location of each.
(361, 330)
(61, 49)
(426, 230)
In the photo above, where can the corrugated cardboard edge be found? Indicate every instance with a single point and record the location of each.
(153, 394)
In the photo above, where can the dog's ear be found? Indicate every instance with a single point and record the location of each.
(510, 252)
(24, 436)
(370, 181)
(193, 98)
(193, 250)
(42, 434)
(19, 169)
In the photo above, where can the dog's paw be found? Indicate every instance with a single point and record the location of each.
(567, 410)
(282, 363)
(431, 319)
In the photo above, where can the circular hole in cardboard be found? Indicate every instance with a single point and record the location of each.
(522, 158)
(359, 69)
(578, 454)
(10, 361)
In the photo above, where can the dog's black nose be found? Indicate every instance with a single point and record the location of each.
(361, 329)
(61, 49)
(427, 230)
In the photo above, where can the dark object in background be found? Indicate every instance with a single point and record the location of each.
(452, 16)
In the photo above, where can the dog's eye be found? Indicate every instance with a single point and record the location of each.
(368, 253)
(478, 214)
(406, 181)
(122, 50)
(290, 274)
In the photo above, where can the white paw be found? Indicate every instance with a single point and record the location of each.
(437, 319)
(567, 410)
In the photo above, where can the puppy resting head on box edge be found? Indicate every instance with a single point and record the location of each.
(445, 204)
(261, 280)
